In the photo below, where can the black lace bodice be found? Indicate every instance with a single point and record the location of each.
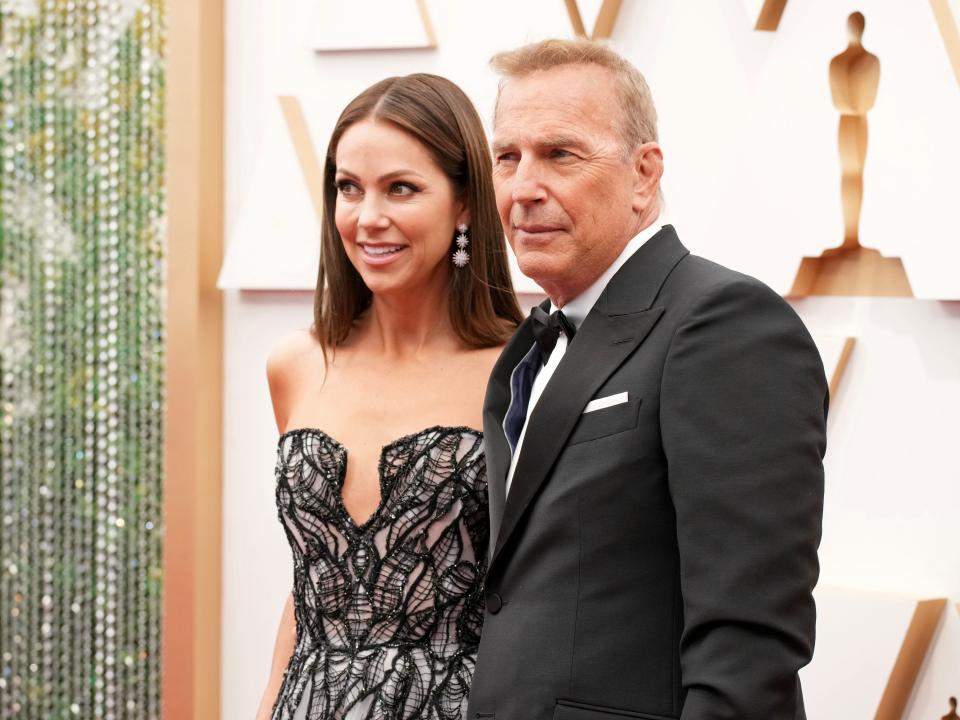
(388, 612)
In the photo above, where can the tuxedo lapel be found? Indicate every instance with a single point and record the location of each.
(495, 406)
(615, 327)
(599, 348)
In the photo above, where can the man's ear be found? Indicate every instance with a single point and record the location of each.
(648, 169)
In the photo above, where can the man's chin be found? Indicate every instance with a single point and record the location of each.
(539, 267)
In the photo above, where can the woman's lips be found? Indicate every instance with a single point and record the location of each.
(380, 254)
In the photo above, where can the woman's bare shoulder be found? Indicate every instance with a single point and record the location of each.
(291, 350)
(288, 360)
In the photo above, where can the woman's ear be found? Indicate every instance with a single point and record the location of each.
(463, 218)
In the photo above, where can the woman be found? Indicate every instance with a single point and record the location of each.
(413, 304)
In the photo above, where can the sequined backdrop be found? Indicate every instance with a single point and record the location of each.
(81, 357)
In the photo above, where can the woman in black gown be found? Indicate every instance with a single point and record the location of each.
(381, 485)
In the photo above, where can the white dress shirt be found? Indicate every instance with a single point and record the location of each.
(576, 311)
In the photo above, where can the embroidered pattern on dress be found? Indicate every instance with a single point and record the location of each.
(389, 611)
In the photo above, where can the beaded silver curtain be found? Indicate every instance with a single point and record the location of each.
(81, 357)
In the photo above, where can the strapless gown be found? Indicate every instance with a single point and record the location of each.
(389, 612)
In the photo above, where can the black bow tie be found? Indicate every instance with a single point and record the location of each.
(547, 329)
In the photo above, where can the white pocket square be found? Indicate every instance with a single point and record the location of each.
(605, 402)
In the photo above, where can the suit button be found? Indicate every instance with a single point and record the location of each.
(494, 603)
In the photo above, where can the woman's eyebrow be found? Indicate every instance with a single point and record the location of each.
(386, 176)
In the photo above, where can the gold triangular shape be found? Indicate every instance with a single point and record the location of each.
(913, 650)
(306, 152)
(837, 375)
(768, 19)
(947, 21)
(606, 19)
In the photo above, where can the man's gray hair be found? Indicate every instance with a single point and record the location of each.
(638, 122)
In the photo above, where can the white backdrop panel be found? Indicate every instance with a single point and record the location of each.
(749, 136)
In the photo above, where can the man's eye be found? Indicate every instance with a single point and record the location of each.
(506, 158)
(403, 189)
(560, 153)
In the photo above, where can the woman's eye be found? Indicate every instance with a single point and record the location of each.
(347, 188)
(403, 189)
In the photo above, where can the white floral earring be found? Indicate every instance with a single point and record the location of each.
(460, 256)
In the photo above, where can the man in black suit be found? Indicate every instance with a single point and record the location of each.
(654, 450)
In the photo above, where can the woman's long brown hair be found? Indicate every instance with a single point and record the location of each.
(437, 113)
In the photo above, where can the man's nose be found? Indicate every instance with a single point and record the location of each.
(527, 185)
(371, 215)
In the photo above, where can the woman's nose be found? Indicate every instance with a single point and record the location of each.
(372, 216)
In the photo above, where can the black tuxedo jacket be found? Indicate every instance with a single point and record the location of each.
(656, 559)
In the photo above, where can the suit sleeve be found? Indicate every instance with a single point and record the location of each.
(743, 419)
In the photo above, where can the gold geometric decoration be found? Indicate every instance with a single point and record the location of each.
(606, 19)
(835, 351)
(948, 21)
(837, 375)
(306, 152)
(914, 649)
(373, 25)
(769, 14)
(852, 269)
(888, 639)
(290, 210)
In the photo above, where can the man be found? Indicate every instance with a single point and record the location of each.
(655, 451)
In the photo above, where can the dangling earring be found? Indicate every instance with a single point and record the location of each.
(460, 256)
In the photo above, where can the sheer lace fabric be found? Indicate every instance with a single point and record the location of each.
(388, 612)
